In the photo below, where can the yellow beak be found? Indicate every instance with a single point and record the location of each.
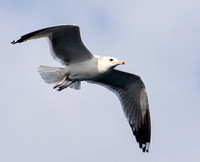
(120, 63)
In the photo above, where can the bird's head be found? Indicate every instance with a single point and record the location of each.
(108, 63)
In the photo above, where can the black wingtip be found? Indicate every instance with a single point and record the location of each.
(14, 42)
(143, 149)
(18, 41)
(142, 137)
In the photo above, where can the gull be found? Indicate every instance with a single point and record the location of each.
(81, 65)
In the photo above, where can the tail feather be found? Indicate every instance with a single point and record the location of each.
(51, 74)
(56, 75)
(76, 85)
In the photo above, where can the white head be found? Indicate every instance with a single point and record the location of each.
(107, 63)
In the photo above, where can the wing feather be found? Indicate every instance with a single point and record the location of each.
(131, 92)
(65, 42)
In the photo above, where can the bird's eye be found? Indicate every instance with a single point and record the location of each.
(111, 60)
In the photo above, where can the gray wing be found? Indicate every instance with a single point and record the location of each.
(65, 41)
(132, 94)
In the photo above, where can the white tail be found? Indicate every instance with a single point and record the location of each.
(51, 74)
(55, 75)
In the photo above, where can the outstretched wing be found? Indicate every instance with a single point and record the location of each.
(131, 92)
(65, 42)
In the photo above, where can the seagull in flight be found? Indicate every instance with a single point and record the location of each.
(81, 65)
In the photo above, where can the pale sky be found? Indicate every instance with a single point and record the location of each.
(158, 40)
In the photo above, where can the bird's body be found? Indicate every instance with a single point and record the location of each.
(81, 65)
(89, 70)
(77, 72)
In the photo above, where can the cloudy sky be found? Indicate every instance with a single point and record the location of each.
(159, 40)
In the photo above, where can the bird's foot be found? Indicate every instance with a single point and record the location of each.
(60, 88)
(60, 83)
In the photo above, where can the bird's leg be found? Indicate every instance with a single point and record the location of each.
(65, 86)
(60, 83)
